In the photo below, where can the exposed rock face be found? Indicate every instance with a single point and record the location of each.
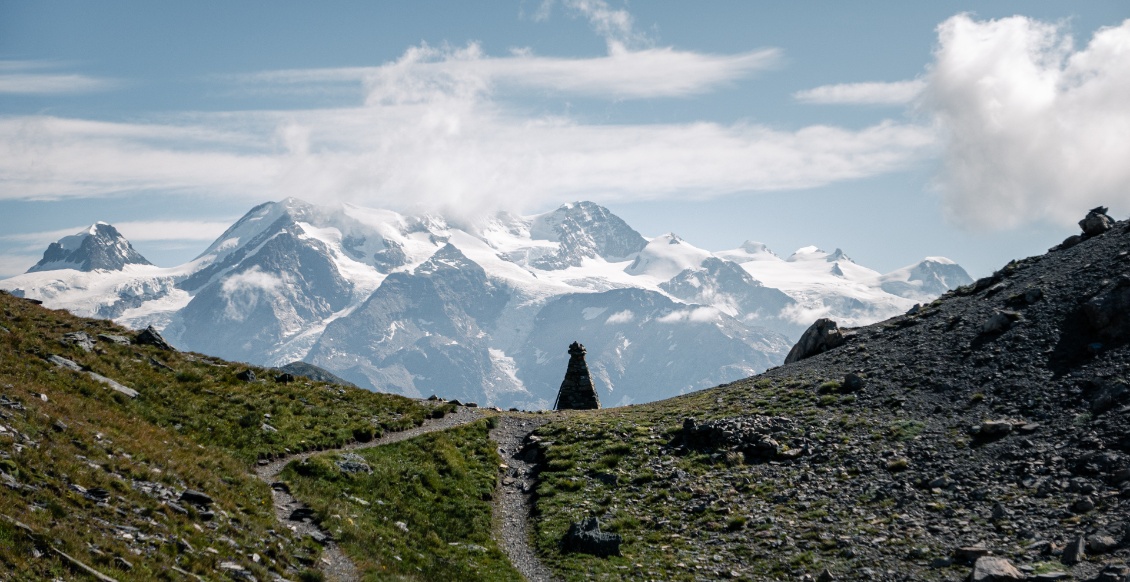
(585, 537)
(820, 337)
(584, 230)
(577, 391)
(150, 336)
(99, 247)
(1096, 222)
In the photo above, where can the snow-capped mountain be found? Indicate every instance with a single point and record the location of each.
(100, 247)
(479, 311)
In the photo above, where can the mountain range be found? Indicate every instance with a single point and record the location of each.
(480, 311)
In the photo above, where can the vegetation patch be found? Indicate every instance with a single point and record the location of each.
(423, 513)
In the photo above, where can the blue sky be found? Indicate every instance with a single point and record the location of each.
(895, 130)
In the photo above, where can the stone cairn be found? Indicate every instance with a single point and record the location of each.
(577, 391)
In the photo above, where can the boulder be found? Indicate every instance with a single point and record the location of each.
(999, 322)
(1075, 552)
(1114, 573)
(151, 337)
(246, 375)
(821, 336)
(1101, 544)
(194, 497)
(79, 339)
(1096, 222)
(585, 537)
(994, 569)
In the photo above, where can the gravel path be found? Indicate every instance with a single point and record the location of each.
(512, 498)
(334, 564)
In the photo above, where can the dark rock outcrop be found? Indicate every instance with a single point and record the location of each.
(577, 391)
(151, 337)
(820, 337)
(1096, 222)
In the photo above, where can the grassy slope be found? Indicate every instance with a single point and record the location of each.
(194, 426)
(437, 485)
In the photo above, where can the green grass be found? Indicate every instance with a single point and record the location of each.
(437, 485)
(195, 426)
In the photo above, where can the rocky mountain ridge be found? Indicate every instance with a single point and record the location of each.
(293, 281)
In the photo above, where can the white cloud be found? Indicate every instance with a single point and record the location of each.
(1035, 129)
(695, 315)
(252, 280)
(642, 74)
(896, 93)
(134, 231)
(21, 78)
(435, 132)
(625, 316)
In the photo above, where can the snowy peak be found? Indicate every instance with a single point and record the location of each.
(838, 255)
(100, 247)
(584, 230)
(749, 251)
(925, 279)
(666, 256)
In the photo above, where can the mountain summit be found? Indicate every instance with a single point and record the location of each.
(478, 310)
(100, 247)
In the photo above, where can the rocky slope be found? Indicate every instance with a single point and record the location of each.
(991, 422)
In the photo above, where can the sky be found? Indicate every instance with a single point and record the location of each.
(893, 130)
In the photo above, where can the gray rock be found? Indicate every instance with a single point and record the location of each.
(821, 336)
(115, 339)
(79, 339)
(151, 337)
(64, 363)
(114, 385)
(585, 537)
(1083, 505)
(196, 498)
(994, 429)
(1096, 222)
(246, 375)
(999, 322)
(353, 463)
(1101, 544)
(1075, 552)
(994, 569)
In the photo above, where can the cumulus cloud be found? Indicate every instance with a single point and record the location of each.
(895, 93)
(1034, 127)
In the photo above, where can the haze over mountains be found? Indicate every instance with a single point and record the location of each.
(419, 305)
